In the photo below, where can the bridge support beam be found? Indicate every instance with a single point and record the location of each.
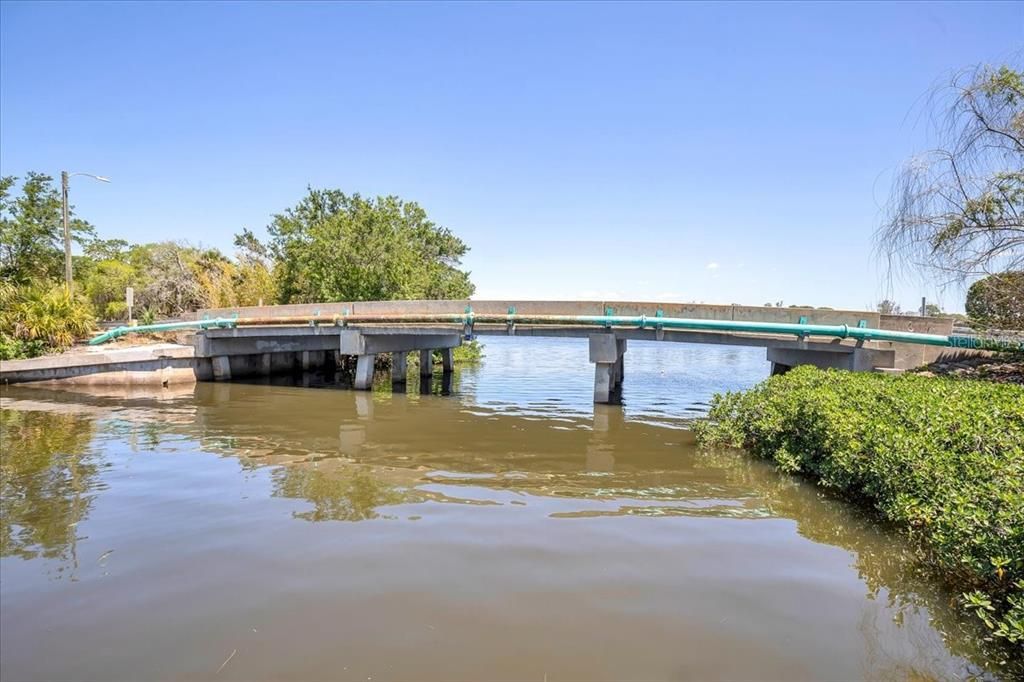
(448, 360)
(426, 363)
(606, 352)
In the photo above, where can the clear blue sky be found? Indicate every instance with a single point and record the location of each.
(718, 153)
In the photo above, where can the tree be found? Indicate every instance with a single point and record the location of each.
(179, 278)
(887, 307)
(32, 230)
(105, 286)
(253, 280)
(958, 209)
(332, 246)
(997, 300)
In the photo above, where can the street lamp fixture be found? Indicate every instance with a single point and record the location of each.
(64, 176)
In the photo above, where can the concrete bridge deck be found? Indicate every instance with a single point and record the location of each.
(266, 347)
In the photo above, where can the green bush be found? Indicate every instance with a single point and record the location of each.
(469, 353)
(46, 315)
(18, 349)
(941, 458)
(115, 310)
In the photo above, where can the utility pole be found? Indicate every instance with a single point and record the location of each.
(924, 308)
(67, 232)
(64, 177)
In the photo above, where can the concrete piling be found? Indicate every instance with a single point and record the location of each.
(221, 368)
(399, 367)
(364, 372)
(606, 352)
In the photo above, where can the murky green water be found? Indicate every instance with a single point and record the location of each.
(507, 531)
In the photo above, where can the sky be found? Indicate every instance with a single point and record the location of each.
(720, 153)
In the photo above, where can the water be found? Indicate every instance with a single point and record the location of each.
(508, 531)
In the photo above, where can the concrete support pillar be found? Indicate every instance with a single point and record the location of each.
(603, 382)
(364, 372)
(606, 352)
(448, 360)
(399, 367)
(619, 372)
(221, 368)
(306, 360)
(265, 364)
(426, 363)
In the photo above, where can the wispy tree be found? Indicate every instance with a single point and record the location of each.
(957, 210)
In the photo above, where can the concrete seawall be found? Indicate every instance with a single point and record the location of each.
(153, 364)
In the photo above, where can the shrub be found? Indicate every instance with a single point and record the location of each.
(44, 314)
(17, 349)
(942, 458)
(115, 310)
(469, 353)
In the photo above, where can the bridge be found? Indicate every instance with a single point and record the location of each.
(263, 340)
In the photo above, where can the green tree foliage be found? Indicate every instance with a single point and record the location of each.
(105, 286)
(959, 208)
(940, 458)
(332, 246)
(32, 230)
(998, 300)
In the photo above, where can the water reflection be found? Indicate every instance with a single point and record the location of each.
(368, 458)
(48, 479)
(337, 494)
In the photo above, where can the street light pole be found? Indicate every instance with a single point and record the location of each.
(67, 232)
(64, 176)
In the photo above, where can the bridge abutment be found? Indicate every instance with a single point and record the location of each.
(853, 359)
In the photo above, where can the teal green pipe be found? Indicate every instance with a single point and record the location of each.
(220, 322)
(841, 331)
